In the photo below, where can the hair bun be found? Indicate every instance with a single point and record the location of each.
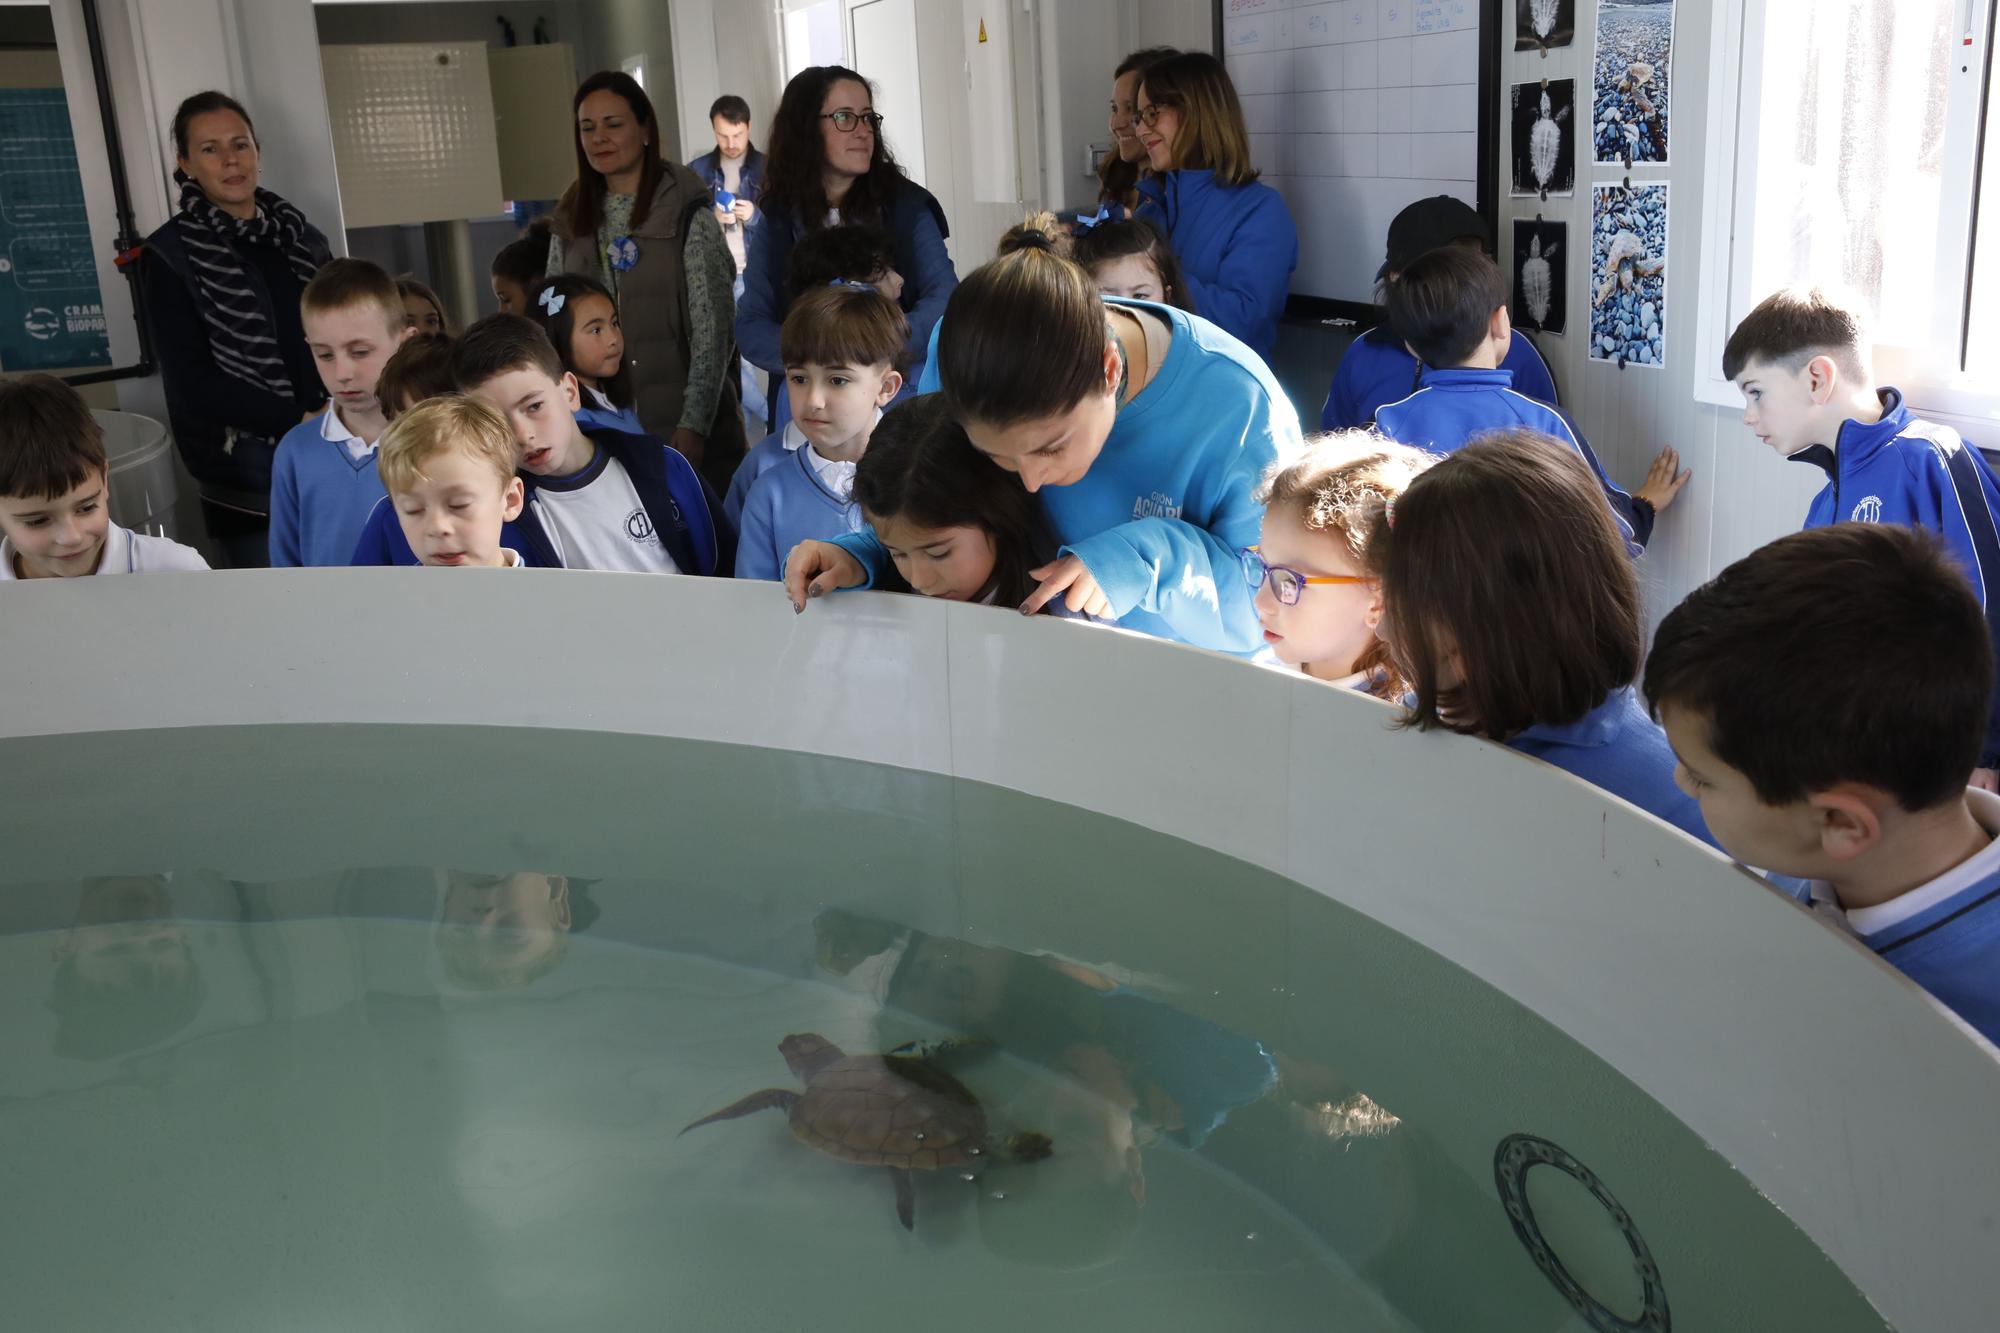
(1031, 239)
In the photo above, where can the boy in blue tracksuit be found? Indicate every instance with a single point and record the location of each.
(1826, 697)
(596, 499)
(1450, 307)
(1801, 363)
(323, 478)
(1237, 245)
(1377, 368)
(841, 345)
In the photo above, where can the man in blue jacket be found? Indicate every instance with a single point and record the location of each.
(734, 174)
(1801, 363)
(1377, 368)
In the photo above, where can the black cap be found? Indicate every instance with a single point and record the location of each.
(1431, 224)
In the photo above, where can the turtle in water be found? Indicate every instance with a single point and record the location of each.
(898, 1110)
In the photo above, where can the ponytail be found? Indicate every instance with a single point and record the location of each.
(1023, 337)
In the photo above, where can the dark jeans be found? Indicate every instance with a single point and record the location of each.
(245, 538)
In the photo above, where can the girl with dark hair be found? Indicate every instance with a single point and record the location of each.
(952, 524)
(1144, 431)
(1235, 236)
(582, 321)
(1133, 260)
(828, 165)
(642, 227)
(1119, 171)
(221, 283)
(1514, 613)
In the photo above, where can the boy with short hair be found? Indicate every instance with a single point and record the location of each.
(324, 480)
(596, 498)
(1450, 308)
(420, 369)
(1802, 364)
(1824, 696)
(448, 465)
(55, 505)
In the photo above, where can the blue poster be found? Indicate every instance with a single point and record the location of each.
(51, 313)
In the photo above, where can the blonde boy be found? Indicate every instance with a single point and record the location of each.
(448, 465)
(324, 479)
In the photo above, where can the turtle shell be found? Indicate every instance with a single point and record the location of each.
(877, 1110)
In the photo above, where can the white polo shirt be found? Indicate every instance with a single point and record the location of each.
(125, 552)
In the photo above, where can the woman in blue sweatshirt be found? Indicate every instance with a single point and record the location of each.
(1235, 237)
(1514, 614)
(1143, 429)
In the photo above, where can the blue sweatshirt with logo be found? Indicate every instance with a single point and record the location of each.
(1237, 245)
(1163, 514)
(1454, 407)
(1378, 369)
(1905, 470)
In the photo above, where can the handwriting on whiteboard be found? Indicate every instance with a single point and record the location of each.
(1444, 15)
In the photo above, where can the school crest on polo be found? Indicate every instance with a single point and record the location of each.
(1869, 510)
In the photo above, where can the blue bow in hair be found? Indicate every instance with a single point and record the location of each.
(1103, 214)
(849, 282)
(552, 301)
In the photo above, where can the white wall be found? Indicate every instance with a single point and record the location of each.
(1742, 494)
(618, 29)
(722, 48)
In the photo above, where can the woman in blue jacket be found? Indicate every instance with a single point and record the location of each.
(827, 165)
(1143, 429)
(1235, 237)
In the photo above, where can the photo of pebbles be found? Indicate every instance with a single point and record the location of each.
(1544, 138)
(1630, 108)
(1541, 281)
(1628, 274)
(1542, 24)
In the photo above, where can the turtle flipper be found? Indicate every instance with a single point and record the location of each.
(906, 1198)
(781, 1098)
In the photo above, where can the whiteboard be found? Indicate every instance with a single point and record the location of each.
(1356, 109)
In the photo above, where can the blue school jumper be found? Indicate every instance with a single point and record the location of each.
(1618, 748)
(789, 504)
(1945, 935)
(1378, 369)
(764, 455)
(683, 509)
(1915, 473)
(321, 496)
(1454, 407)
(1163, 515)
(1237, 245)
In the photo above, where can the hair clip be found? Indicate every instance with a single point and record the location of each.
(1102, 215)
(551, 301)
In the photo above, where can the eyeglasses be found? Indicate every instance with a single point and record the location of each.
(1287, 584)
(1150, 115)
(849, 121)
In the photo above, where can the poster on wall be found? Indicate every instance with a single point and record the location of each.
(1628, 275)
(1630, 107)
(51, 315)
(1541, 281)
(1544, 138)
(1544, 24)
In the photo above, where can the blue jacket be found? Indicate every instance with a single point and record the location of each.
(321, 496)
(592, 417)
(749, 178)
(1456, 406)
(1377, 369)
(1163, 514)
(683, 509)
(1618, 748)
(1237, 245)
(789, 504)
(1912, 472)
(917, 230)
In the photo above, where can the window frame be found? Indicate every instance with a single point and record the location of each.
(1956, 395)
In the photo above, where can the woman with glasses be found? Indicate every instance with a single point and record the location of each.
(1143, 430)
(1119, 170)
(826, 164)
(1235, 236)
(642, 227)
(1317, 604)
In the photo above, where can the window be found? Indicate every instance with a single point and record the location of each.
(1857, 143)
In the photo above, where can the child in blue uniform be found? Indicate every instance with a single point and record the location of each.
(1450, 307)
(1143, 430)
(323, 478)
(841, 346)
(1514, 614)
(1377, 368)
(1802, 364)
(1826, 696)
(581, 320)
(448, 464)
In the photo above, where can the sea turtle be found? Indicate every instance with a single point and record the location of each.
(898, 1110)
(1538, 280)
(1545, 143)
